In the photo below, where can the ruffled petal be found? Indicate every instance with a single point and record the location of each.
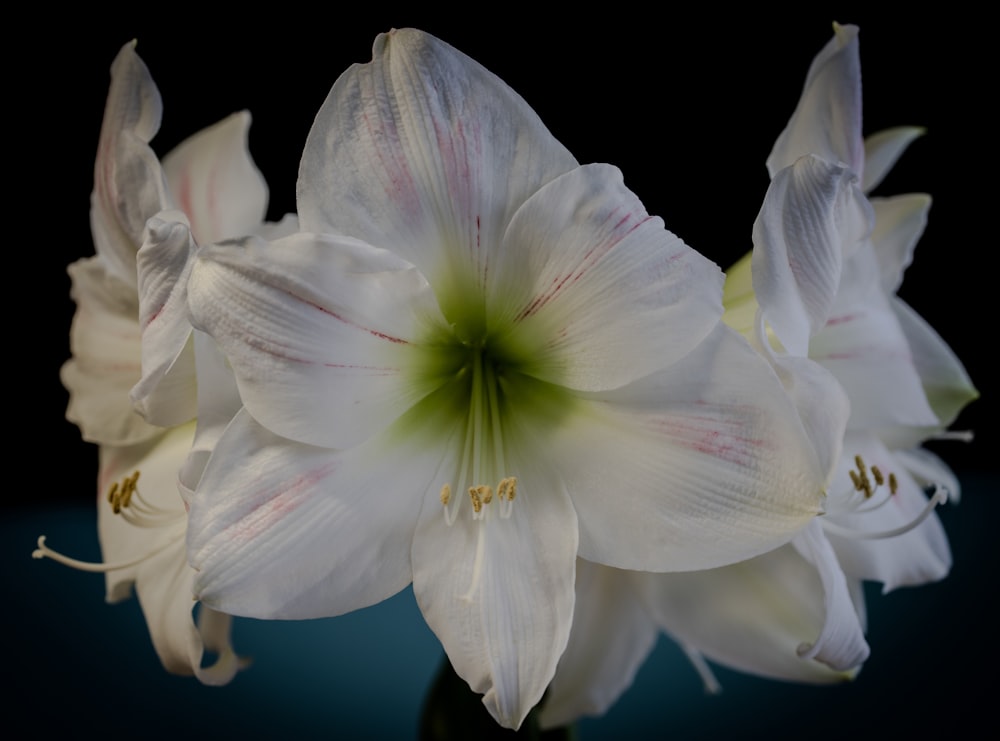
(598, 293)
(105, 342)
(899, 222)
(129, 185)
(813, 217)
(882, 149)
(279, 529)
(166, 394)
(425, 152)
(914, 557)
(480, 585)
(841, 644)
(827, 119)
(215, 182)
(705, 463)
(611, 637)
(330, 339)
(751, 616)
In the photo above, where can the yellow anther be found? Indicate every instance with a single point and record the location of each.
(866, 484)
(486, 493)
(120, 495)
(893, 483)
(507, 488)
(877, 473)
(445, 494)
(477, 502)
(855, 480)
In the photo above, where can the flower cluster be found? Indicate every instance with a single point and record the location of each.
(471, 364)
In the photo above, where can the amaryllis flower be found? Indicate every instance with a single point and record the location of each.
(821, 305)
(141, 516)
(477, 361)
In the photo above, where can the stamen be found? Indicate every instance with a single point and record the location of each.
(445, 494)
(877, 473)
(866, 483)
(940, 496)
(893, 483)
(477, 501)
(43, 551)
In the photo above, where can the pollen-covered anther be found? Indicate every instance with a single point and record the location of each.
(877, 475)
(862, 477)
(893, 483)
(120, 496)
(507, 488)
(445, 494)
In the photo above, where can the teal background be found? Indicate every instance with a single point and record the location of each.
(688, 108)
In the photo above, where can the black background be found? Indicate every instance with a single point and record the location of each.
(688, 107)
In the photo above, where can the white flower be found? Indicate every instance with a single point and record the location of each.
(143, 523)
(826, 264)
(477, 361)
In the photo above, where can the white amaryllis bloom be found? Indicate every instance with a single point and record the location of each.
(478, 361)
(826, 264)
(143, 521)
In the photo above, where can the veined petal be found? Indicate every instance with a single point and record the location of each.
(899, 222)
(321, 333)
(105, 341)
(129, 185)
(425, 152)
(479, 584)
(707, 462)
(841, 644)
(827, 119)
(215, 182)
(945, 382)
(612, 635)
(813, 217)
(915, 557)
(279, 529)
(166, 394)
(864, 346)
(751, 616)
(882, 149)
(597, 291)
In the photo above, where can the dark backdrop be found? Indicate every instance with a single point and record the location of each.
(688, 108)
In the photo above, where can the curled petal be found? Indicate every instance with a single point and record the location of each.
(215, 182)
(882, 149)
(899, 222)
(813, 217)
(166, 393)
(105, 342)
(841, 644)
(827, 119)
(751, 616)
(129, 185)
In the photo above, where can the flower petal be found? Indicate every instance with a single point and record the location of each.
(841, 644)
(899, 222)
(915, 557)
(827, 119)
(882, 149)
(166, 395)
(279, 529)
(598, 292)
(751, 616)
(322, 333)
(864, 346)
(611, 637)
(706, 463)
(129, 185)
(480, 585)
(813, 217)
(425, 152)
(105, 342)
(944, 379)
(215, 182)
